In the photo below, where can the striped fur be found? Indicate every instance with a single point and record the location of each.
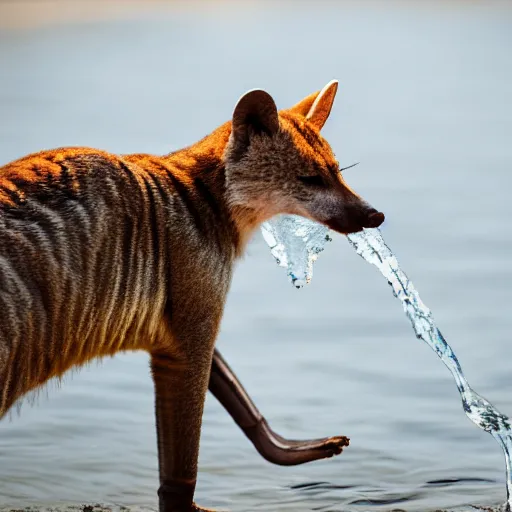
(88, 242)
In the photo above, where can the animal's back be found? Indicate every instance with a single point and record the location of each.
(82, 263)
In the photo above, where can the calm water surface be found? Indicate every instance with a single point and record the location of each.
(425, 105)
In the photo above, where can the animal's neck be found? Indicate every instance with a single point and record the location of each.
(203, 164)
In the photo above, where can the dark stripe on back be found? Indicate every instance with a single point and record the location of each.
(183, 192)
(14, 196)
(188, 200)
(127, 256)
(153, 218)
(66, 180)
(207, 196)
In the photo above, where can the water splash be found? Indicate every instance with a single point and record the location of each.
(369, 244)
(295, 243)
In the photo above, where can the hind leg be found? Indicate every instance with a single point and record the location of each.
(229, 391)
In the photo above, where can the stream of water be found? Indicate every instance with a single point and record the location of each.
(296, 242)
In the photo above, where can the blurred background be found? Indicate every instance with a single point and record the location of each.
(425, 105)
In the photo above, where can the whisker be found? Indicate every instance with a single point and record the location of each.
(345, 168)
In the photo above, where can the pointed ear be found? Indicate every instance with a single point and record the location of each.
(255, 112)
(321, 108)
(304, 106)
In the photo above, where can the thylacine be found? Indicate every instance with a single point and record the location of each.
(102, 253)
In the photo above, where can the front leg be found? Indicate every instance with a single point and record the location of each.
(226, 387)
(181, 382)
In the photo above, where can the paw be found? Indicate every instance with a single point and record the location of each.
(197, 508)
(334, 445)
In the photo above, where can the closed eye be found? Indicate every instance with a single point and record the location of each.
(314, 181)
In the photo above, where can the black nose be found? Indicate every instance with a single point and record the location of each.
(374, 219)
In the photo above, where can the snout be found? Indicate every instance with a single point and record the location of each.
(373, 219)
(352, 220)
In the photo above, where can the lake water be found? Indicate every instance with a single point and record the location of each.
(425, 105)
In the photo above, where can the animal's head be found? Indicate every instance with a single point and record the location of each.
(278, 162)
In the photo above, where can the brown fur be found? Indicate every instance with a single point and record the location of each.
(103, 253)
